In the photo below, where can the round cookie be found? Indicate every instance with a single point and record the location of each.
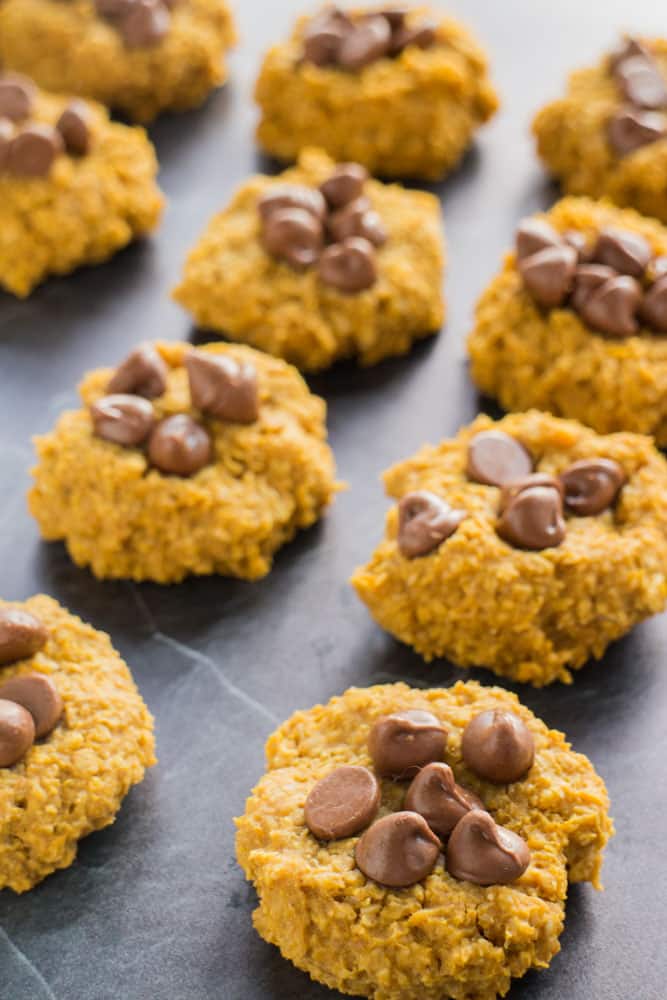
(169, 59)
(444, 935)
(73, 779)
(408, 108)
(207, 469)
(524, 584)
(526, 354)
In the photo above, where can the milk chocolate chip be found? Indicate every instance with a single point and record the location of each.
(145, 24)
(629, 47)
(484, 853)
(534, 235)
(21, 635)
(654, 306)
(498, 746)
(424, 522)
(401, 743)
(323, 37)
(38, 695)
(642, 83)
(223, 387)
(511, 491)
(345, 184)
(343, 803)
(495, 458)
(533, 519)
(612, 307)
(349, 266)
(32, 152)
(423, 35)
(17, 732)
(626, 252)
(367, 41)
(292, 196)
(74, 127)
(358, 219)
(6, 133)
(548, 274)
(630, 129)
(143, 373)
(17, 94)
(179, 446)
(435, 795)
(587, 278)
(125, 420)
(398, 850)
(293, 235)
(592, 485)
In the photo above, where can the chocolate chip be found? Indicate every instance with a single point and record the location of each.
(629, 47)
(395, 15)
(17, 732)
(628, 253)
(113, 8)
(32, 152)
(498, 746)
(423, 35)
(435, 795)
(125, 420)
(74, 127)
(293, 235)
(223, 387)
(654, 306)
(367, 41)
(345, 184)
(343, 803)
(38, 695)
(21, 635)
(612, 307)
(17, 96)
(142, 373)
(534, 235)
(349, 266)
(145, 24)
(179, 446)
(424, 522)
(592, 485)
(292, 196)
(6, 133)
(511, 491)
(642, 83)
(401, 743)
(358, 219)
(587, 278)
(323, 37)
(533, 519)
(629, 130)
(548, 274)
(495, 458)
(484, 853)
(656, 269)
(578, 242)
(398, 850)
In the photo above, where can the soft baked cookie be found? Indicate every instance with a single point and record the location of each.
(140, 57)
(525, 546)
(75, 736)
(319, 264)
(608, 135)
(184, 461)
(336, 802)
(400, 90)
(74, 186)
(576, 321)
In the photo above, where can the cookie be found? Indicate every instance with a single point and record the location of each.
(525, 546)
(138, 57)
(607, 135)
(184, 461)
(67, 197)
(452, 883)
(401, 92)
(576, 321)
(75, 736)
(318, 264)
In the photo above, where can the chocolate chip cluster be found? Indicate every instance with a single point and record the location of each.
(140, 23)
(644, 88)
(614, 284)
(533, 505)
(333, 227)
(30, 705)
(351, 42)
(402, 848)
(28, 148)
(177, 445)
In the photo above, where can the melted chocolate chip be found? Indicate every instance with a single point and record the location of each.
(511, 491)
(144, 24)
(654, 306)
(435, 795)
(343, 803)
(17, 732)
(17, 95)
(495, 459)
(533, 519)
(349, 266)
(425, 521)
(630, 129)
(398, 850)
(484, 853)
(592, 485)
(21, 635)
(125, 420)
(498, 746)
(548, 274)
(401, 743)
(612, 307)
(143, 373)
(534, 235)
(587, 278)
(74, 127)
(345, 184)
(179, 446)
(367, 41)
(32, 152)
(294, 236)
(223, 387)
(38, 695)
(626, 252)
(292, 196)
(642, 83)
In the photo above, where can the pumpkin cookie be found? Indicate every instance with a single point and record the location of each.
(408, 843)
(525, 546)
(576, 321)
(75, 736)
(319, 264)
(184, 461)
(401, 91)
(140, 57)
(74, 186)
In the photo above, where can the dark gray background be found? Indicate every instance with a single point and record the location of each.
(156, 907)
